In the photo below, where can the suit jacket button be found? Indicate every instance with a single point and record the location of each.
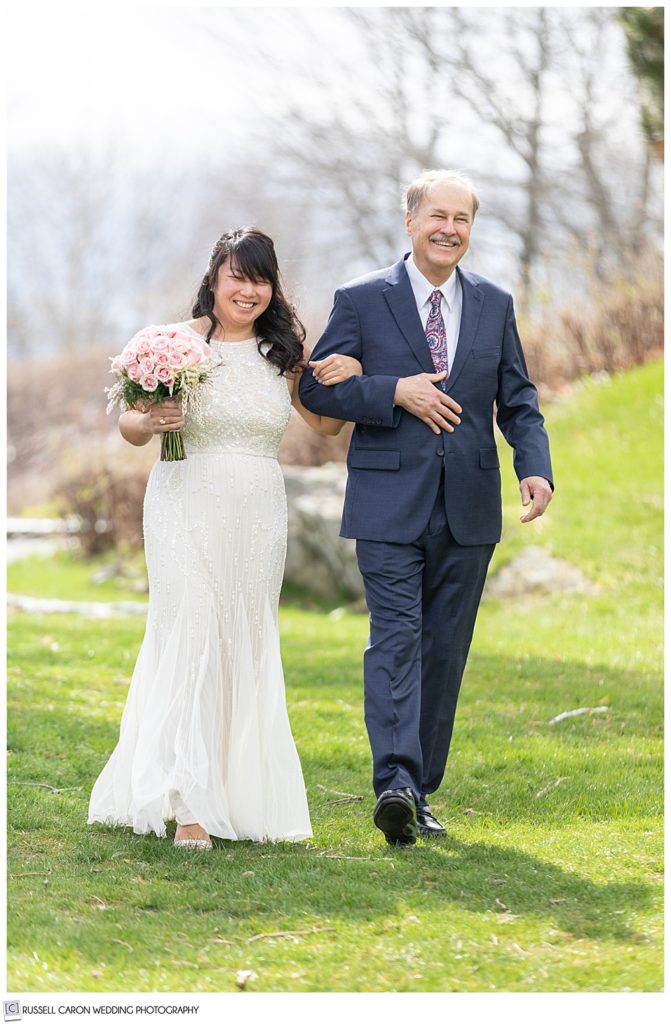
(439, 451)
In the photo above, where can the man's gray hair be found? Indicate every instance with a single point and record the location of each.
(415, 193)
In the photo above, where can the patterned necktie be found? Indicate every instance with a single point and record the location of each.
(436, 335)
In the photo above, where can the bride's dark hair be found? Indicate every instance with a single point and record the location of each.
(252, 254)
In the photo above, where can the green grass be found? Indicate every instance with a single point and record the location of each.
(550, 876)
(67, 576)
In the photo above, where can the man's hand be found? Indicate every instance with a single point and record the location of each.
(537, 490)
(419, 396)
(335, 368)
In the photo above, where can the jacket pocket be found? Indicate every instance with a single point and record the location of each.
(369, 458)
(486, 353)
(489, 458)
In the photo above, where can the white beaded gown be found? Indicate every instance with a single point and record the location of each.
(205, 735)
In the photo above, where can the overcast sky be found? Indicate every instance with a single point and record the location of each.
(146, 76)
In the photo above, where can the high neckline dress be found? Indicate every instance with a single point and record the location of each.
(205, 735)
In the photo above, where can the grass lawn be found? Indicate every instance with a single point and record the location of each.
(550, 877)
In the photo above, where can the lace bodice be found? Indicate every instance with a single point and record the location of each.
(245, 407)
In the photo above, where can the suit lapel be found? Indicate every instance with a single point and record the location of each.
(401, 300)
(471, 307)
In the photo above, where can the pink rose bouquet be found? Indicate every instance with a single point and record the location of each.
(159, 363)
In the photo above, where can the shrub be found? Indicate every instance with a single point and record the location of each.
(107, 497)
(619, 326)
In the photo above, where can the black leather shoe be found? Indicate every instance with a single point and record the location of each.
(427, 825)
(395, 814)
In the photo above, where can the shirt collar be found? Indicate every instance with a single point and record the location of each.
(423, 289)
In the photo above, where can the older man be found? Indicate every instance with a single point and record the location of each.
(439, 348)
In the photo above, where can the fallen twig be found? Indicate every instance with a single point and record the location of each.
(126, 944)
(44, 785)
(551, 785)
(338, 856)
(347, 797)
(578, 711)
(288, 935)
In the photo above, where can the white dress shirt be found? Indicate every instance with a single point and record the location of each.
(450, 303)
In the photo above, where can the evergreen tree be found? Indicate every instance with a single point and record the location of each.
(644, 29)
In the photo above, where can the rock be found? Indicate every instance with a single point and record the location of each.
(535, 571)
(317, 556)
(91, 609)
(319, 559)
(106, 573)
(23, 526)
(22, 547)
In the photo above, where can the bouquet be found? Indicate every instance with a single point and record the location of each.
(159, 363)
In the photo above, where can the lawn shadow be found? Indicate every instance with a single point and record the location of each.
(433, 877)
(340, 877)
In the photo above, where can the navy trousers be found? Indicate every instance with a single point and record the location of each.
(423, 599)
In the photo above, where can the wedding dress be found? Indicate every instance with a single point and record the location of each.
(205, 735)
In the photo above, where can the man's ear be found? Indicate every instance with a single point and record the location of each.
(408, 223)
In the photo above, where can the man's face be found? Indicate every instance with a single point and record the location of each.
(440, 229)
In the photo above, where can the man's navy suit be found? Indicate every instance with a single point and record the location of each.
(424, 508)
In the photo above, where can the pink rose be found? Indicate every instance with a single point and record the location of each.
(162, 358)
(116, 364)
(204, 349)
(164, 374)
(176, 358)
(149, 382)
(134, 371)
(147, 365)
(197, 353)
(160, 344)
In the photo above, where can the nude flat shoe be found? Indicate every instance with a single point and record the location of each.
(196, 844)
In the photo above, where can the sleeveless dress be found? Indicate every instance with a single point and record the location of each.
(205, 735)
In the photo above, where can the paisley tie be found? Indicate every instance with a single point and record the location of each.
(436, 336)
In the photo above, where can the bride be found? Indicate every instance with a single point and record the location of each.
(205, 736)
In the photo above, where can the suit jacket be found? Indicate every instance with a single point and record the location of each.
(395, 459)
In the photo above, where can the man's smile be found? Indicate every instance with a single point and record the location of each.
(446, 243)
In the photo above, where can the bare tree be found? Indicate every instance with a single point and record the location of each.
(532, 99)
(95, 249)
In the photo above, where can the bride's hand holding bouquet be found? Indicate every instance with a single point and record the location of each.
(161, 371)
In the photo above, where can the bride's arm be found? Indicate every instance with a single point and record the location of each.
(334, 369)
(134, 427)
